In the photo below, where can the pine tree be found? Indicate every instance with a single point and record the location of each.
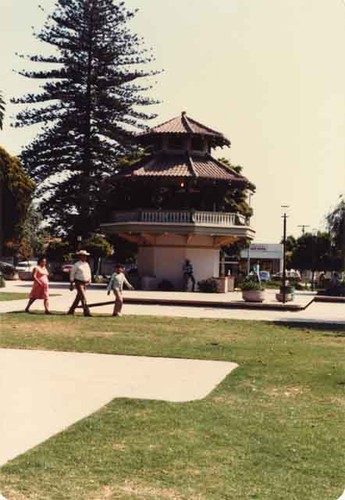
(90, 100)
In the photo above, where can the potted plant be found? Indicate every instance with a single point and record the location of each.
(252, 291)
(286, 293)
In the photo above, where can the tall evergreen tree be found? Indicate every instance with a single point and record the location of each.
(90, 100)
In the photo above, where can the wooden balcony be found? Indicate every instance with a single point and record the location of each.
(184, 222)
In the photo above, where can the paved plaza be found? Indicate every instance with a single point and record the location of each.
(316, 312)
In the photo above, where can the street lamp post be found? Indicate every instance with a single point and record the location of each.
(284, 216)
(79, 240)
(343, 237)
(313, 256)
(248, 252)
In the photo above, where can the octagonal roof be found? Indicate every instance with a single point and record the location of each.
(185, 125)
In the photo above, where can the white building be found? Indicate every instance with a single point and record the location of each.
(268, 255)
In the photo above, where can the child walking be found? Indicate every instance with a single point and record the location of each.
(117, 280)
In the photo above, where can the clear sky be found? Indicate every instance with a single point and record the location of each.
(269, 74)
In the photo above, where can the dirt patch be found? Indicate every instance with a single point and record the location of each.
(338, 401)
(120, 446)
(287, 392)
(140, 491)
(44, 327)
(15, 495)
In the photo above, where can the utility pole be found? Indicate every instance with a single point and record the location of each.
(284, 217)
(343, 237)
(303, 226)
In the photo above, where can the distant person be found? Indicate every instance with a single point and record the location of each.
(322, 279)
(40, 287)
(188, 275)
(256, 271)
(335, 281)
(80, 277)
(117, 280)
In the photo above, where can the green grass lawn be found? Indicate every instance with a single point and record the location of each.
(273, 429)
(4, 296)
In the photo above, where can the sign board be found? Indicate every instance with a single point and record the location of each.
(263, 251)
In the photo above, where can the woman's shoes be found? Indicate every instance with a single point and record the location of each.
(47, 312)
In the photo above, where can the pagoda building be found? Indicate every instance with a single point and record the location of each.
(174, 202)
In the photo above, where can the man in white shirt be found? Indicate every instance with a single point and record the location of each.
(80, 277)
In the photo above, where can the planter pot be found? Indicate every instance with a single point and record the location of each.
(253, 295)
(288, 297)
(231, 283)
(289, 292)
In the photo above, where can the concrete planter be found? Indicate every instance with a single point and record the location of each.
(289, 294)
(253, 295)
(222, 284)
(280, 297)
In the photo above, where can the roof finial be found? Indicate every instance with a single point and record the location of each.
(184, 113)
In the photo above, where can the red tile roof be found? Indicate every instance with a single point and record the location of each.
(184, 125)
(184, 165)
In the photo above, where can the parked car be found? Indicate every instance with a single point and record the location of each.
(265, 276)
(25, 268)
(131, 269)
(26, 265)
(66, 268)
(7, 270)
(290, 274)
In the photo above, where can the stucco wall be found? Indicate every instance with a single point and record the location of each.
(167, 262)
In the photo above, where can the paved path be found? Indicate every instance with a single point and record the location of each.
(44, 392)
(316, 313)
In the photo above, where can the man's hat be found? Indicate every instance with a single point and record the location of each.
(82, 252)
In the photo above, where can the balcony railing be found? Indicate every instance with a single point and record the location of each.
(224, 219)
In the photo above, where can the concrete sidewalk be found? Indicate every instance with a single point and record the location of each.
(44, 392)
(316, 313)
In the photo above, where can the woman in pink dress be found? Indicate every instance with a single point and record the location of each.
(40, 287)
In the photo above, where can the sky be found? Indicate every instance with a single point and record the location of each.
(268, 74)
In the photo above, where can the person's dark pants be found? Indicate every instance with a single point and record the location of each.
(80, 297)
(186, 279)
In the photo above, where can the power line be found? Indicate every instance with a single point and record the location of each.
(303, 226)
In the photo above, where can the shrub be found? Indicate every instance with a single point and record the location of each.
(208, 286)
(165, 286)
(249, 284)
(336, 291)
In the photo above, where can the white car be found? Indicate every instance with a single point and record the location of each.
(26, 265)
(25, 268)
